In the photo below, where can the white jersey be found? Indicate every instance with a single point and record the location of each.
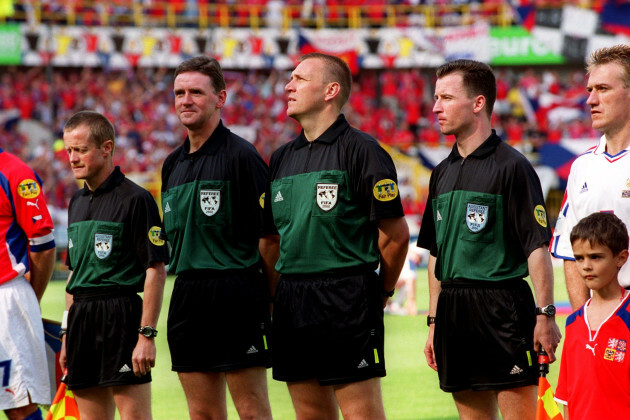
(598, 182)
(23, 364)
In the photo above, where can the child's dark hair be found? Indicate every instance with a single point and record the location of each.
(604, 229)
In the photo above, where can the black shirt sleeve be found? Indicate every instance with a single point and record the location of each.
(426, 237)
(373, 173)
(147, 230)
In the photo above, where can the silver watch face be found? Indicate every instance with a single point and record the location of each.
(148, 332)
(548, 310)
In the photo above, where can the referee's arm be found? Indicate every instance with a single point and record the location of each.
(269, 248)
(62, 352)
(393, 241)
(143, 357)
(546, 333)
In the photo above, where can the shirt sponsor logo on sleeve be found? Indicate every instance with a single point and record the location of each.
(210, 201)
(326, 196)
(476, 217)
(385, 190)
(541, 215)
(155, 236)
(103, 245)
(28, 189)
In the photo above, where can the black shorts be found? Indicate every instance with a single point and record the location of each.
(329, 329)
(219, 321)
(484, 335)
(102, 333)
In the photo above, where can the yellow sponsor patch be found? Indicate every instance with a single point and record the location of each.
(155, 236)
(261, 200)
(541, 215)
(385, 190)
(28, 189)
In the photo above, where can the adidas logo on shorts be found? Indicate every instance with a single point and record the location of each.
(516, 370)
(362, 364)
(252, 350)
(124, 369)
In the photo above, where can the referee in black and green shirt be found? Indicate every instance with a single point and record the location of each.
(333, 201)
(212, 197)
(486, 228)
(115, 251)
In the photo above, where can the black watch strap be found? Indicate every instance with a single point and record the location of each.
(430, 320)
(548, 310)
(148, 331)
(389, 293)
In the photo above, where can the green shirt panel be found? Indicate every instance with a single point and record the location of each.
(198, 218)
(100, 257)
(472, 240)
(322, 226)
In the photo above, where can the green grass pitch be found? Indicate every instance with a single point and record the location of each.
(410, 389)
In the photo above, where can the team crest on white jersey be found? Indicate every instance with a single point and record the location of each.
(103, 245)
(327, 196)
(476, 217)
(210, 201)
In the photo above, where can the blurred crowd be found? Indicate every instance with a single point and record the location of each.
(395, 106)
(276, 13)
(282, 13)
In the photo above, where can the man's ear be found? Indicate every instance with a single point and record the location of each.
(332, 91)
(479, 104)
(108, 147)
(222, 98)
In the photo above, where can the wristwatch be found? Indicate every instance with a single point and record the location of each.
(147, 331)
(430, 320)
(548, 311)
(389, 293)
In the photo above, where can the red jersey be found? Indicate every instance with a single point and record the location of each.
(594, 372)
(24, 218)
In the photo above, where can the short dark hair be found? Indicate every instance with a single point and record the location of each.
(477, 77)
(336, 70)
(205, 65)
(616, 54)
(603, 229)
(100, 128)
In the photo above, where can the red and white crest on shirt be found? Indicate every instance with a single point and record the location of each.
(615, 350)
